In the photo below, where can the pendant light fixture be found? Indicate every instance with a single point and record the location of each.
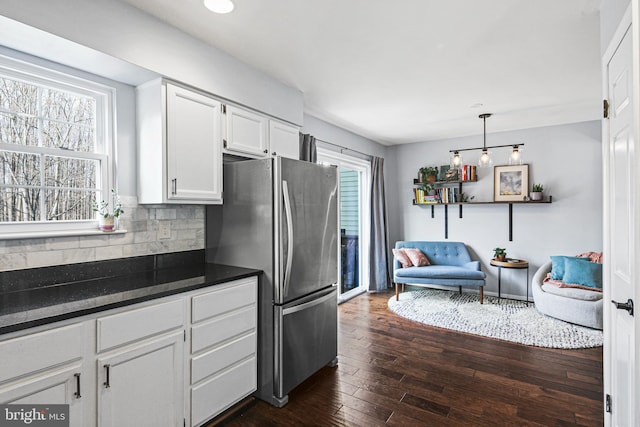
(515, 157)
(456, 160)
(485, 158)
(219, 6)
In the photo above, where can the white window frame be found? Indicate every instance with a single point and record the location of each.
(105, 144)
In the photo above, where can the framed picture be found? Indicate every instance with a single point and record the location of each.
(510, 183)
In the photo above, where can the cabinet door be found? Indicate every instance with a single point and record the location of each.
(284, 140)
(246, 132)
(143, 385)
(194, 151)
(53, 387)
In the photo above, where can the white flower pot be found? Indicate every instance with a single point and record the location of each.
(536, 195)
(107, 223)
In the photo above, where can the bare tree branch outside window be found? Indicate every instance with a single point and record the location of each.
(42, 130)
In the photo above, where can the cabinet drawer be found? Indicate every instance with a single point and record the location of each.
(214, 396)
(133, 325)
(237, 294)
(222, 328)
(222, 357)
(39, 351)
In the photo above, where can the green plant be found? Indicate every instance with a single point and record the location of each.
(537, 188)
(103, 207)
(426, 171)
(428, 187)
(499, 251)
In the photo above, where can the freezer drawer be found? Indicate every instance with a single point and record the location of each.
(309, 339)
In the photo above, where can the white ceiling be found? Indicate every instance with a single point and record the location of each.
(415, 70)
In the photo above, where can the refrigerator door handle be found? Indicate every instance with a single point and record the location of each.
(289, 216)
(308, 304)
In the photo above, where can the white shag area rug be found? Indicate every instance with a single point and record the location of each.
(503, 319)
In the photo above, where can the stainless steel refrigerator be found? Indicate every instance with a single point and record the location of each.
(280, 215)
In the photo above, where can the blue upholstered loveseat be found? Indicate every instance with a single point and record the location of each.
(451, 265)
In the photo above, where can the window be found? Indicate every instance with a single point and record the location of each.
(55, 148)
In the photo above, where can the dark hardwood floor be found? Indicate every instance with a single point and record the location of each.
(393, 371)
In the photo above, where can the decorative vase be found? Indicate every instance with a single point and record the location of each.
(536, 195)
(501, 257)
(107, 223)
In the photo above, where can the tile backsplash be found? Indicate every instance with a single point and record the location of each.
(142, 222)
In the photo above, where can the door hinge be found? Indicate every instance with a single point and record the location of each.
(605, 108)
(224, 109)
(607, 404)
(224, 143)
(185, 335)
(184, 422)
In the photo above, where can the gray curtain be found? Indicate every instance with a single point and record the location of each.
(379, 251)
(308, 150)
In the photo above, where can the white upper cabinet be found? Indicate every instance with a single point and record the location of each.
(284, 140)
(245, 132)
(179, 145)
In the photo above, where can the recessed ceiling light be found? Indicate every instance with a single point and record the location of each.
(219, 6)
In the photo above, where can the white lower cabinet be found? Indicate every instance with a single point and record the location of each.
(143, 385)
(163, 363)
(45, 368)
(223, 348)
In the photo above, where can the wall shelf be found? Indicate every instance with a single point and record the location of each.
(460, 204)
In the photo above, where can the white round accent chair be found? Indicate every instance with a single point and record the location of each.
(580, 306)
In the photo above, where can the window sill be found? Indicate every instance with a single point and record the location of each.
(57, 233)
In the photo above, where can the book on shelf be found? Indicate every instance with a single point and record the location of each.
(468, 173)
(449, 195)
(420, 197)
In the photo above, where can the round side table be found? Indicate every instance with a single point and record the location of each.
(517, 264)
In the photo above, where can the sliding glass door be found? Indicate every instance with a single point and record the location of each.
(354, 182)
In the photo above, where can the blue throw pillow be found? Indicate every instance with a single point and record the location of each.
(582, 273)
(557, 266)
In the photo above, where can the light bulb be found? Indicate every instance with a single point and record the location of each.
(456, 160)
(485, 159)
(516, 156)
(219, 6)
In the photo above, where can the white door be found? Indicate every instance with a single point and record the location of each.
(143, 385)
(194, 149)
(621, 248)
(354, 178)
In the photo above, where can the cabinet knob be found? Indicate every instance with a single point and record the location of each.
(274, 154)
(266, 151)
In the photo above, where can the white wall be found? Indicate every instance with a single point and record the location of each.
(336, 135)
(128, 34)
(611, 12)
(567, 159)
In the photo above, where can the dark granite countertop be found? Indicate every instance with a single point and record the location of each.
(31, 303)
